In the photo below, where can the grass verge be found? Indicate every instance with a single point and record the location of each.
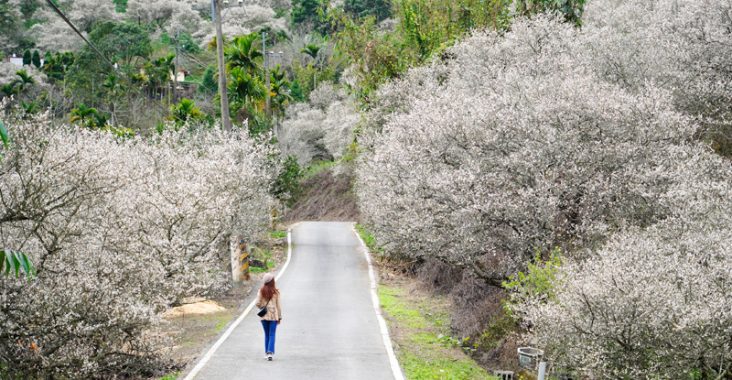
(419, 324)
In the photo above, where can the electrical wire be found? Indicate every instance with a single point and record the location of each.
(91, 45)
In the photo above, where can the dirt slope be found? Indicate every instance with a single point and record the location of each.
(326, 197)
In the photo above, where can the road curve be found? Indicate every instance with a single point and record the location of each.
(329, 328)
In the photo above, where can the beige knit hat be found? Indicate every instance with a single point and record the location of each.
(268, 278)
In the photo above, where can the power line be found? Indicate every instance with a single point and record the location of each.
(63, 16)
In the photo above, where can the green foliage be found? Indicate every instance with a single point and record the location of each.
(9, 89)
(571, 9)
(316, 167)
(264, 256)
(19, 84)
(500, 325)
(27, 58)
(280, 90)
(88, 117)
(287, 187)
(185, 111)
(311, 50)
(296, 92)
(120, 6)
(55, 66)
(121, 41)
(181, 42)
(15, 263)
(379, 9)
(25, 78)
(247, 91)
(157, 72)
(426, 350)
(308, 76)
(278, 234)
(126, 44)
(243, 52)
(9, 22)
(4, 136)
(246, 94)
(30, 107)
(209, 84)
(258, 123)
(307, 15)
(540, 279)
(425, 29)
(36, 59)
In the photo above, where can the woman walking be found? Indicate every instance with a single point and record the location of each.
(269, 298)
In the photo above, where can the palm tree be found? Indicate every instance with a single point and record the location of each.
(159, 71)
(10, 89)
(312, 50)
(280, 88)
(247, 91)
(30, 107)
(25, 79)
(88, 117)
(243, 53)
(184, 111)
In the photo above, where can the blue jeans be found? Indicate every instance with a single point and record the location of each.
(270, 329)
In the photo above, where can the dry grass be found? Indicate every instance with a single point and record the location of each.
(326, 197)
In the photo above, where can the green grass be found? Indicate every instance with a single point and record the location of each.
(369, 239)
(171, 376)
(391, 302)
(263, 255)
(416, 367)
(316, 168)
(220, 325)
(426, 350)
(277, 234)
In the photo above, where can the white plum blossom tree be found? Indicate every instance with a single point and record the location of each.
(652, 303)
(119, 231)
(680, 45)
(535, 138)
(171, 15)
(320, 129)
(512, 147)
(245, 19)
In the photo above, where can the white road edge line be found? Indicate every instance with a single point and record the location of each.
(191, 375)
(396, 370)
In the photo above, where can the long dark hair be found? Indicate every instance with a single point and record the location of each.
(269, 290)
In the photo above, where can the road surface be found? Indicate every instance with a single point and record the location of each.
(329, 327)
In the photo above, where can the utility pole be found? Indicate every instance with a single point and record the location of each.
(266, 74)
(175, 68)
(225, 118)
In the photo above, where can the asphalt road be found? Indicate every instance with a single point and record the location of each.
(329, 328)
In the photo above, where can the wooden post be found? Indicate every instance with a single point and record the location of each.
(243, 261)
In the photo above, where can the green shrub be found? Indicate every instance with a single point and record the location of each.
(287, 187)
(539, 281)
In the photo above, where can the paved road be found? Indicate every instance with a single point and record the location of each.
(329, 328)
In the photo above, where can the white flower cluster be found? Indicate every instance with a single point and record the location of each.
(118, 231)
(548, 135)
(321, 129)
(244, 19)
(53, 34)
